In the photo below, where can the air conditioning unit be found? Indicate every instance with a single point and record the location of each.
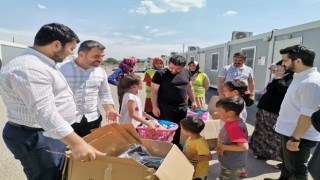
(193, 48)
(173, 53)
(240, 35)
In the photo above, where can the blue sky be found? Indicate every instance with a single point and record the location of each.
(152, 28)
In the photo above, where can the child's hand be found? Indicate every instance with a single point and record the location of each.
(151, 126)
(220, 149)
(190, 155)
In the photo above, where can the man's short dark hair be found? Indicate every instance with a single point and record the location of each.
(235, 104)
(55, 31)
(306, 54)
(89, 44)
(240, 54)
(178, 60)
(193, 124)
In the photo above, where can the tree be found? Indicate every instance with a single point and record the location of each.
(111, 61)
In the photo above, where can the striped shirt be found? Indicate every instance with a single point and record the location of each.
(37, 95)
(87, 86)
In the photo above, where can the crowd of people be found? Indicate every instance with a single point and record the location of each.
(51, 105)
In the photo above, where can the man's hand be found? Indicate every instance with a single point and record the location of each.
(194, 106)
(112, 116)
(80, 150)
(85, 153)
(292, 146)
(156, 111)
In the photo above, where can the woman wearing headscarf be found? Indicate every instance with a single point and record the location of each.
(265, 142)
(157, 64)
(200, 83)
(125, 67)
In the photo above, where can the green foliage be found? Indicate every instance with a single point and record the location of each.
(110, 61)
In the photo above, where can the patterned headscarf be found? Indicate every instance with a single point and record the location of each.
(155, 61)
(127, 64)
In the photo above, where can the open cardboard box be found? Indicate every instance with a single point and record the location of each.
(210, 133)
(114, 139)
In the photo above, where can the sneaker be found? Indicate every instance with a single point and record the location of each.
(243, 174)
(277, 166)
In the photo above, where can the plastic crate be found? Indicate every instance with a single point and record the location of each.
(159, 135)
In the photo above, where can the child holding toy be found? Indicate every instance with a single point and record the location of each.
(196, 147)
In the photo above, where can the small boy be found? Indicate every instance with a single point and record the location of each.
(232, 145)
(196, 148)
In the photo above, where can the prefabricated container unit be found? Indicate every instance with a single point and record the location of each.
(261, 51)
(9, 51)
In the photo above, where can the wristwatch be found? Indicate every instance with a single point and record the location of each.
(293, 139)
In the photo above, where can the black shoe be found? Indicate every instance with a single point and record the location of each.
(259, 157)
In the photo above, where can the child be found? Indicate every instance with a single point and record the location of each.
(237, 88)
(240, 89)
(233, 138)
(196, 147)
(131, 109)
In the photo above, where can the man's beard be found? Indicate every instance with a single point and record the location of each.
(59, 56)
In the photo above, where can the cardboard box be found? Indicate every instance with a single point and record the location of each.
(210, 133)
(114, 140)
(212, 104)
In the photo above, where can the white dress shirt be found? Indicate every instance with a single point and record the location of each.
(37, 95)
(87, 86)
(302, 98)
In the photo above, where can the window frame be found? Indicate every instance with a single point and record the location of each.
(218, 55)
(254, 55)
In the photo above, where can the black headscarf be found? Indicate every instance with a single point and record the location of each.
(197, 67)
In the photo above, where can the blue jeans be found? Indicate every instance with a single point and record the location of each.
(294, 166)
(30, 147)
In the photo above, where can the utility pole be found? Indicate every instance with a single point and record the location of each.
(183, 48)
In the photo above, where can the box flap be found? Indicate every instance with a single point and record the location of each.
(212, 104)
(211, 129)
(128, 132)
(157, 148)
(97, 133)
(175, 166)
(111, 144)
(132, 131)
(108, 168)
